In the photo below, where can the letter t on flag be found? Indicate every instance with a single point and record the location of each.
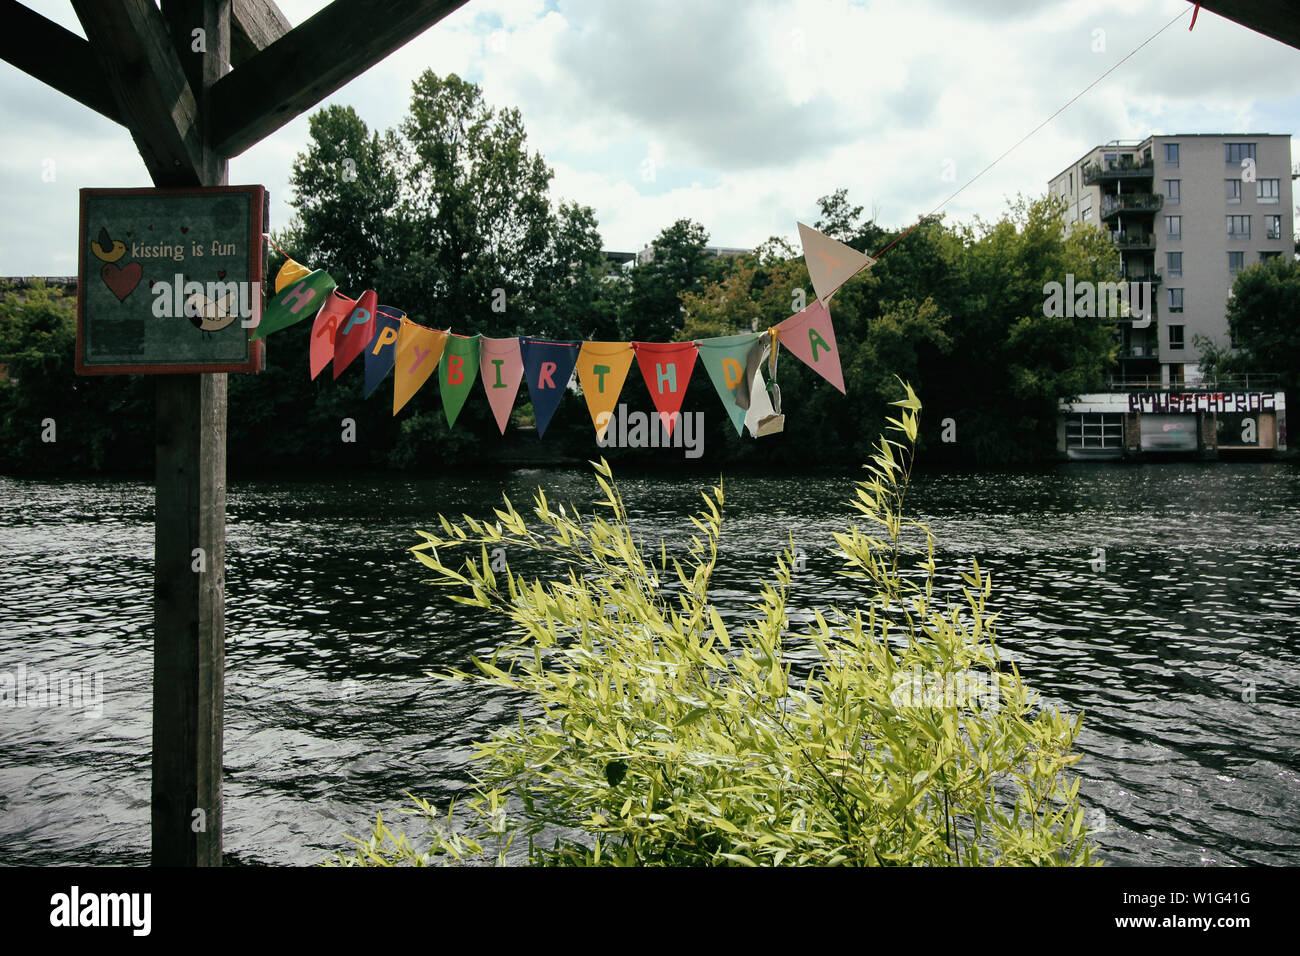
(830, 262)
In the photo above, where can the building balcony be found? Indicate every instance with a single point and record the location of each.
(1138, 352)
(1129, 273)
(1109, 172)
(1131, 203)
(1127, 239)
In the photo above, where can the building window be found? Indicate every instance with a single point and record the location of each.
(1095, 430)
(1272, 227)
(1086, 212)
(1176, 337)
(1110, 160)
(1174, 227)
(1171, 154)
(1072, 181)
(1271, 254)
(1236, 262)
(1267, 191)
(1234, 189)
(1174, 260)
(1238, 227)
(1175, 300)
(1239, 151)
(1171, 191)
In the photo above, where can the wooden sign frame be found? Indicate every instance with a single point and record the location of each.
(253, 361)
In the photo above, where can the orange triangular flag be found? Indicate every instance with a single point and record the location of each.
(830, 262)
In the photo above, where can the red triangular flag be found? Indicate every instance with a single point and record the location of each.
(326, 327)
(666, 367)
(355, 334)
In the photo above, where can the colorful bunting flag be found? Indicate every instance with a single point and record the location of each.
(548, 366)
(290, 272)
(457, 371)
(294, 303)
(418, 352)
(326, 327)
(602, 370)
(724, 359)
(666, 367)
(502, 368)
(811, 337)
(355, 334)
(382, 350)
(830, 262)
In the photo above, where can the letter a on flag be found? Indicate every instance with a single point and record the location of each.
(810, 336)
(382, 350)
(457, 372)
(724, 359)
(548, 366)
(418, 352)
(355, 334)
(830, 262)
(325, 329)
(501, 368)
(602, 370)
(666, 367)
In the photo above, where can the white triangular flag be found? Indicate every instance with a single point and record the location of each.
(830, 262)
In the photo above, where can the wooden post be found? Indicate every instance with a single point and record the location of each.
(190, 536)
(189, 620)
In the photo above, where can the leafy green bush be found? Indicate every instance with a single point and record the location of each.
(659, 735)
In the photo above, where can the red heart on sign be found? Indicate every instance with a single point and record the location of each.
(121, 280)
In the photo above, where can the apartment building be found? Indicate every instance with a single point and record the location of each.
(1188, 213)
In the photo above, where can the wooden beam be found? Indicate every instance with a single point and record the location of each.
(189, 522)
(254, 26)
(1273, 19)
(310, 62)
(135, 54)
(55, 56)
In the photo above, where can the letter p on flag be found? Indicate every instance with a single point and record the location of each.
(356, 332)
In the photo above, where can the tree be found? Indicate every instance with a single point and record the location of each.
(1264, 319)
(678, 265)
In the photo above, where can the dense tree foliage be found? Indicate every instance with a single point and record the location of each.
(449, 217)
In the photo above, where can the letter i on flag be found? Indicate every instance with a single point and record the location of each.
(501, 369)
(548, 366)
(457, 371)
(326, 328)
(724, 359)
(830, 262)
(382, 350)
(667, 368)
(602, 370)
(418, 352)
(352, 339)
(811, 337)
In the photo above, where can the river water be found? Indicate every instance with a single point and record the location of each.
(1182, 649)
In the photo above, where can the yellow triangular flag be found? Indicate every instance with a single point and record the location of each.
(416, 357)
(830, 262)
(289, 273)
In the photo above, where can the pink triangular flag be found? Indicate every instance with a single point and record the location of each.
(811, 337)
(830, 262)
(501, 368)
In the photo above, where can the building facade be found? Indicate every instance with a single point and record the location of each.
(1188, 213)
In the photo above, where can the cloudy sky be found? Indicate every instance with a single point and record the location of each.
(735, 114)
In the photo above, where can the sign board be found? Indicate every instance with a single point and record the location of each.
(169, 280)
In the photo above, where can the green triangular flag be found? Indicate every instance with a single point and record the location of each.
(297, 301)
(724, 359)
(457, 373)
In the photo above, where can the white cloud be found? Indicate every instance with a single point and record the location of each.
(748, 112)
